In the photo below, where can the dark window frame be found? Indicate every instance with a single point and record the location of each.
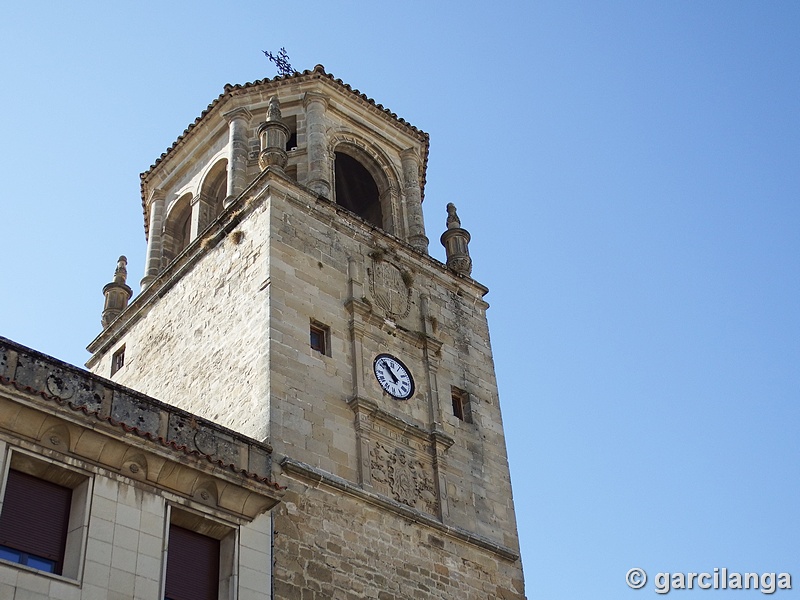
(462, 407)
(320, 338)
(35, 519)
(118, 359)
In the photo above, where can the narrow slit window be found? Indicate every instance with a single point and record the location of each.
(118, 360)
(461, 405)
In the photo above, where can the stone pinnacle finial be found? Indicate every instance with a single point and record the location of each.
(117, 293)
(273, 135)
(453, 221)
(456, 243)
(121, 272)
(274, 110)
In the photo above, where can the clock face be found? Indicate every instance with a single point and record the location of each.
(393, 376)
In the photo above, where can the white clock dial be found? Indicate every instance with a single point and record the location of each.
(393, 376)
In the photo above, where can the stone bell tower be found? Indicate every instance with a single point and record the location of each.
(289, 295)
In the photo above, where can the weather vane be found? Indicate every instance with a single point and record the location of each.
(281, 60)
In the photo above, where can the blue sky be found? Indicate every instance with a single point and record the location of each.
(629, 174)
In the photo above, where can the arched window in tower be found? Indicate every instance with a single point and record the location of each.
(177, 229)
(356, 190)
(185, 231)
(214, 190)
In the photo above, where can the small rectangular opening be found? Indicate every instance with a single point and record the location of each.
(458, 407)
(118, 359)
(461, 405)
(320, 338)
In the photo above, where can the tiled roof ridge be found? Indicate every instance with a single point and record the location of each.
(228, 89)
(20, 387)
(318, 71)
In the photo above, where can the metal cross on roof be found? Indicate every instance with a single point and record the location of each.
(281, 60)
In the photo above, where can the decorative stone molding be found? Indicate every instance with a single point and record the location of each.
(93, 421)
(398, 458)
(273, 135)
(407, 479)
(390, 287)
(456, 243)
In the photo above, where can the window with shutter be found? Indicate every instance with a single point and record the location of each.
(192, 566)
(34, 522)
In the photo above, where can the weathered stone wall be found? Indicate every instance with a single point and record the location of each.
(229, 340)
(204, 345)
(330, 545)
(319, 256)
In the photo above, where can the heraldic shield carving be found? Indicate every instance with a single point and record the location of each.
(389, 289)
(400, 475)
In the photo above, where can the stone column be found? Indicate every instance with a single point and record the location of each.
(237, 152)
(319, 167)
(154, 239)
(117, 293)
(171, 244)
(413, 201)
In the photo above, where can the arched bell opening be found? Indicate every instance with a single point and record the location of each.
(356, 189)
(177, 229)
(213, 191)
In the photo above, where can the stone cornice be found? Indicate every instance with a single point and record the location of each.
(309, 97)
(240, 112)
(57, 406)
(331, 214)
(318, 476)
(369, 407)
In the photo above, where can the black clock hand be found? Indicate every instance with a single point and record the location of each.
(391, 374)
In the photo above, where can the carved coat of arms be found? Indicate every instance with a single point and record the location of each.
(404, 478)
(389, 289)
